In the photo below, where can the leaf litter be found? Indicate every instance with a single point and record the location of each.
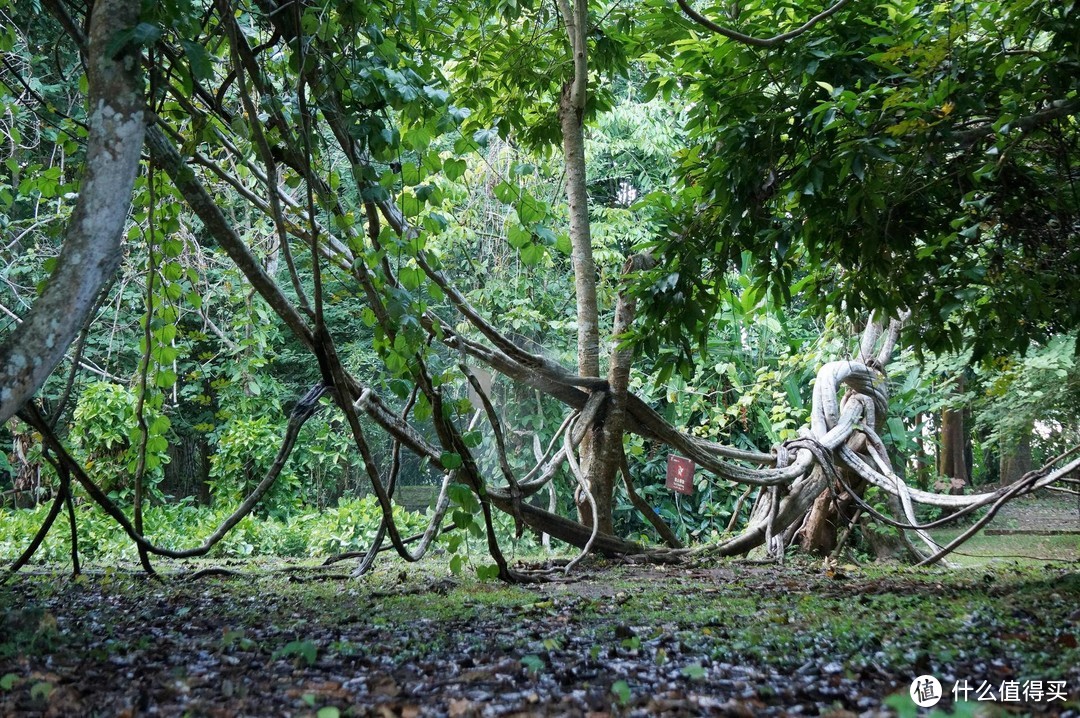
(724, 639)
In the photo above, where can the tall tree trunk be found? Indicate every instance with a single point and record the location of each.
(572, 119)
(609, 448)
(1015, 460)
(598, 464)
(953, 449)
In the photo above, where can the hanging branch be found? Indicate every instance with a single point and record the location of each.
(450, 437)
(500, 446)
(304, 410)
(144, 371)
(583, 488)
(391, 485)
(35, 543)
(65, 486)
(645, 509)
(759, 41)
(266, 154)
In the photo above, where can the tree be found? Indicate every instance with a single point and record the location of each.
(92, 248)
(910, 156)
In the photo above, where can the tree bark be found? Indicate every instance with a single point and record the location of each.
(572, 119)
(90, 254)
(599, 474)
(830, 514)
(1015, 460)
(608, 438)
(952, 453)
(188, 469)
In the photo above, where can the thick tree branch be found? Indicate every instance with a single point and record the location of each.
(90, 254)
(759, 41)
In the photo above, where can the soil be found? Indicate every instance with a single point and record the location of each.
(727, 638)
(706, 638)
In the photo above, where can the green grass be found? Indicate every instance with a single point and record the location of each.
(983, 550)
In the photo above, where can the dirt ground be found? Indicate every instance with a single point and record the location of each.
(710, 639)
(706, 638)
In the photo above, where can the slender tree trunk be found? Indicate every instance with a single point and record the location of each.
(609, 449)
(597, 464)
(572, 119)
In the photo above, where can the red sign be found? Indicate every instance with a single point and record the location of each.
(680, 474)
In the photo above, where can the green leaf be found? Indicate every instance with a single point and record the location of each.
(488, 572)
(484, 137)
(411, 174)
(437, 97)
(328, 712)
(172, 248)
(410, 205)
(532, 663)
(532, 253)
(562, 244)
(411, 277)
(7, 682)
(518, 236)
(160, 424)
(621, 690)
(531, 209)
(400, 388)
(198, 59)
(306, 651)
(454, 169)
(694, 671)
(417, 138)
(450, 460)
(165, 379)
(139, 36)
(505, 192)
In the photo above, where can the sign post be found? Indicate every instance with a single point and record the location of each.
(680, 474)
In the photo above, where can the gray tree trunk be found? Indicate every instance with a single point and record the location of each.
(572, 119)
(90, 254)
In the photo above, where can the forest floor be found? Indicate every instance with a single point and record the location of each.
(710, 637)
